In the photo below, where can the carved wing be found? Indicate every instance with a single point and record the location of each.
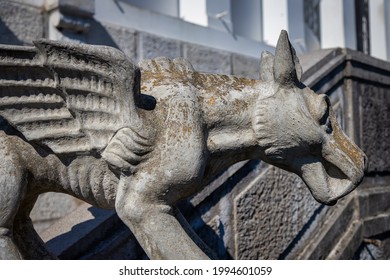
(71, 98)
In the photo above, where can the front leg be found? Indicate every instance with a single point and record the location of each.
(173, 171)
(154, 223)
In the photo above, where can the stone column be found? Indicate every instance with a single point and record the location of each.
(247, 19)
(275, 18)
(331, 24)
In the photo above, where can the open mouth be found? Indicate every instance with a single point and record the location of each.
(338, 182)
(333, 171)
(327, 182)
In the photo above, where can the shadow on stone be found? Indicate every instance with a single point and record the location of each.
(301, 233)
(7, 36)
(374, 248)
(101, 235)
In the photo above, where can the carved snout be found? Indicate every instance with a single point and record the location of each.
(339, 172)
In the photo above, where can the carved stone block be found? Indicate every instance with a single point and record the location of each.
(152, 46)
(270, 213)
(85, 8)
(245, 66)
(206, 59)
(375, 104)
(120, 37)
(20, 24)
(50, 207)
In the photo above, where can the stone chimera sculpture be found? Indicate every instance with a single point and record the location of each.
(81, 120)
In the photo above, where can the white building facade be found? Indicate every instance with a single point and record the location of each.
(245, 26)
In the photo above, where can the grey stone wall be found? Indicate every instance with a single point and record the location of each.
(375, 104)
(140, 45)
(20, 23)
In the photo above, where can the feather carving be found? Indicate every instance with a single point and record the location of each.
(69, 98)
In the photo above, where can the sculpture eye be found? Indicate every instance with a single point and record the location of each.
(324, 107)
(324, 116)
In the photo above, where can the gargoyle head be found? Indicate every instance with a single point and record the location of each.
(297, 130)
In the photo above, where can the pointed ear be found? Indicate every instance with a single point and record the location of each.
(298, 67)
(266, 66)
(287, 69)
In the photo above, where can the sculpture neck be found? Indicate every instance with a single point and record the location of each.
(228, 105)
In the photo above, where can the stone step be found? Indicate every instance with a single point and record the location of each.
(91, 233)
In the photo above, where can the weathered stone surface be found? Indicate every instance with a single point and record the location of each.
(209, 60)
(19, 23)
(338, 220)
(375, 248)
(109, 145)
(374, 201)
(118, 244)
(211, 212)
(245, 66)
(50, 207)
(83, 221)
(376, 225)
(345, 249)
(85, 8)
(120, 37)
(375, 104)
(152, 46)
(270, 213)
(92, 233)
